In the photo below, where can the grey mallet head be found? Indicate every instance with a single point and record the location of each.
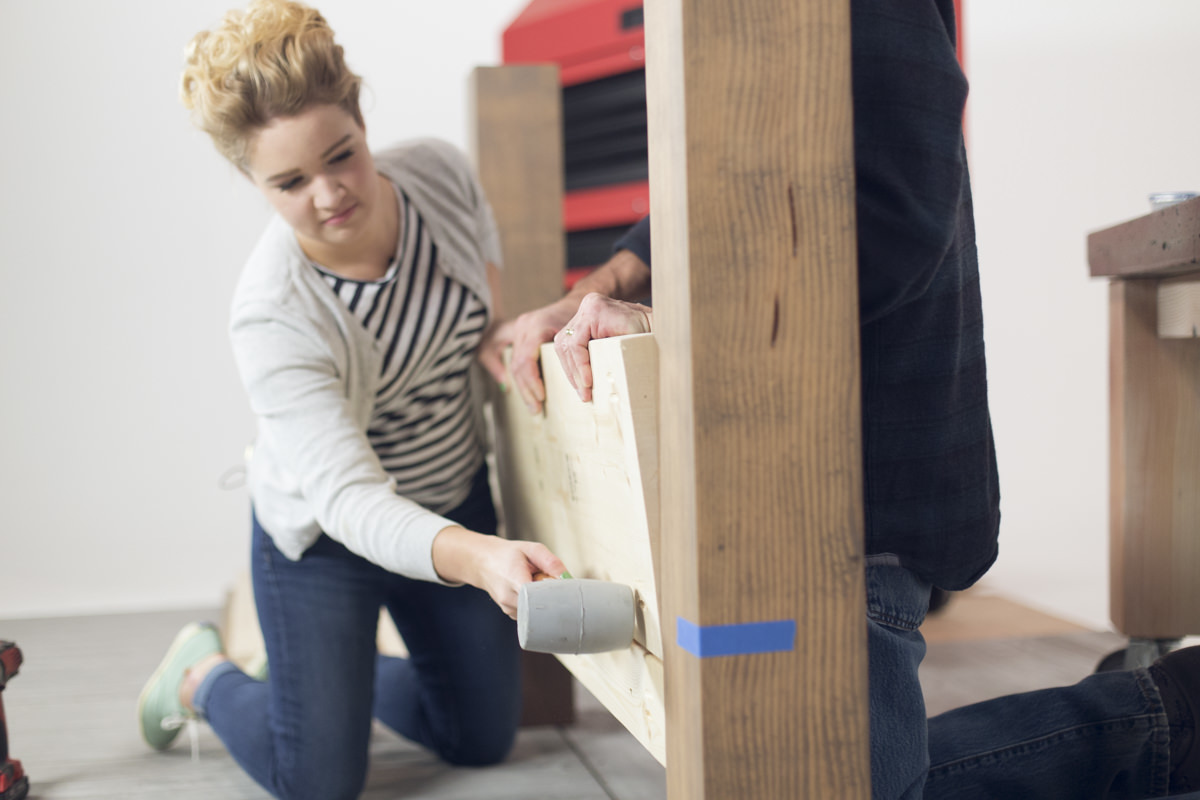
(575, 615)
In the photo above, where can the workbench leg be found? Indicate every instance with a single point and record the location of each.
(756, 315)
(1154, 486)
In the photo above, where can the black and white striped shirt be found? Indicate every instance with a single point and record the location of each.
(429, 327)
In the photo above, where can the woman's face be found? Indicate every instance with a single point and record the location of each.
(315, 170)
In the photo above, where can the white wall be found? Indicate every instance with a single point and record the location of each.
(1078, 110)
(122, 232)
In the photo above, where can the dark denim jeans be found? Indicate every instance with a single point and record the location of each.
(305, 732)
(1104, 737)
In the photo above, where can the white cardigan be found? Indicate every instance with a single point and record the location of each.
(311, 370)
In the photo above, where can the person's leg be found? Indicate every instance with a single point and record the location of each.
(897, 601)
(1104, 737)
(305, 732)
(459, 692)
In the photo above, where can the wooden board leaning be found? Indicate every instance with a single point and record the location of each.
(582, 478)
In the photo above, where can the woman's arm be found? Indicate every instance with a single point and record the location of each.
(312, 445)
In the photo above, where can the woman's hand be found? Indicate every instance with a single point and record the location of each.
(598, 317)
(526, 334)
(498, 566)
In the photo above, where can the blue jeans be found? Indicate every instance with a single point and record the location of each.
(1104, 737)
(304, 733)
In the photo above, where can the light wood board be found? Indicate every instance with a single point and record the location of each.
(979, 614)
(583, 479)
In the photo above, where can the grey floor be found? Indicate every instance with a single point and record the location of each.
(71, 721)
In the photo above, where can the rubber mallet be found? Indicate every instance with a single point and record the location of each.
(575, 615)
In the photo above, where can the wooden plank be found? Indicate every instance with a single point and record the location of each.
(756, 314)
(1154, 470)
(583, 479)
(516, 140)
(1164, 242)
(1179, 308)
(976, 614)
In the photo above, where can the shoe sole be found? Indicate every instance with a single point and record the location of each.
(190, 630)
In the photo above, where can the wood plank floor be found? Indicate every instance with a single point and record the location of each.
(71, 714)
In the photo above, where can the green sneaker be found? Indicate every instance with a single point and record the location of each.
(160, 714)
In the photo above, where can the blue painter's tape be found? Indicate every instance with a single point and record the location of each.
(735, 640)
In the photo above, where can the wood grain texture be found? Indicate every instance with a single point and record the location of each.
(582, 478)
(1164, 242)
(752, 192)
(1154, 470)
(516, 139)
(1179, 307)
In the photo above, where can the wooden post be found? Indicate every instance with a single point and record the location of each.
(516, 134)
(517, 143)
(1154, 421)
(756, 315)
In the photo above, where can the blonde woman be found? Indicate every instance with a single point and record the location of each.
(354, 326)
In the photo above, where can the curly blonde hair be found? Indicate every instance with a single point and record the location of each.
(275, 59)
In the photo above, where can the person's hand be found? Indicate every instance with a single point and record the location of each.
(498, 566)
(623, 275)
(598, 317)
(505, 564)
(529, 332)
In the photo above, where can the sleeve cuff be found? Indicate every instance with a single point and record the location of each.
(417, 552)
